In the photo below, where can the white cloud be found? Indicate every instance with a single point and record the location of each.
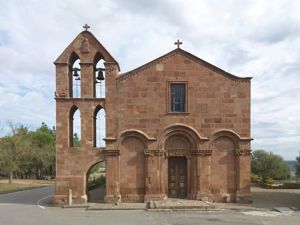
(249, 38)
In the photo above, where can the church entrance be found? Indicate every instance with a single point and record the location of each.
(177, 177)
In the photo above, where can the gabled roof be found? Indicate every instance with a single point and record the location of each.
(186, 54)
(86, 34)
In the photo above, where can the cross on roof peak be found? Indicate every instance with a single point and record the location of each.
(86, 27)
(178, 43)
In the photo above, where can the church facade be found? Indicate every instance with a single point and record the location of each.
(176, 127)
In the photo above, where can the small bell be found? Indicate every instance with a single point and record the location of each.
(100, 74)
(75, 74)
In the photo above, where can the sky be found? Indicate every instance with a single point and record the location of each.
(253, 38)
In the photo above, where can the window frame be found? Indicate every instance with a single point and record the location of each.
(169, 97)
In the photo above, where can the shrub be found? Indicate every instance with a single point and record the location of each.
(255, 178)
(268, 180)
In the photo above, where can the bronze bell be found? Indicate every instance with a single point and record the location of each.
(100, 74)
(75, 74)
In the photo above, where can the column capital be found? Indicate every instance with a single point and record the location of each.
(111, 153)
(202, 152)
(153, 152)
(243, 152)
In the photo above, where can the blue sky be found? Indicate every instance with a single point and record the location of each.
(247, 38)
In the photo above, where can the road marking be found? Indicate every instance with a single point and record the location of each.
(42, 207)
(38, 202)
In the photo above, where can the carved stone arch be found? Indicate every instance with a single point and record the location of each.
(227, 133)
(181, 129)
(98, 108)
(90, 164)
(72, 58)
(134, 133)
(73, 110)
(98, 56)
(87, 172)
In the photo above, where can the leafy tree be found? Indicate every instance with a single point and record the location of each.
(43, 151)
(12, 151)
(76, 140)
(266, 164)
(26, 152)
(298, 166)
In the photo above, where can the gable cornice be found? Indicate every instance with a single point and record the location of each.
(192, 57)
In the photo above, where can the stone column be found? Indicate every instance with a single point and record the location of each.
(111, 100)
(87, 80)
(243, 175)
(112, 176)
(154, 176)
(203, 174)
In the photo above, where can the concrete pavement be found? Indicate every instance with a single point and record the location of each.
(30, 197)
(21, 208)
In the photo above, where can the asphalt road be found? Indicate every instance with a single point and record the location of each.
(29, 197)
(21, 208)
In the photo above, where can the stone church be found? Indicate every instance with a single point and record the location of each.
(176, 127)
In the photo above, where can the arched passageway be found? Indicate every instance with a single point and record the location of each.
(95, 182)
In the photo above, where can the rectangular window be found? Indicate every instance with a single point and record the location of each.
(178, 97)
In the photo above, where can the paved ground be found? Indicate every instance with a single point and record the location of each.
(29, 197)
(22, 208)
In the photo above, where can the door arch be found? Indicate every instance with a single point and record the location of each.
(178, 148)
(96, 182)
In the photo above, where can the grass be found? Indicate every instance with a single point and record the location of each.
(19, 185)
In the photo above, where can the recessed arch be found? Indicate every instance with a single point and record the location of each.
(96, 182)
(134, 133)
(99, 127)
(181, 129)
(223, 168)
(132, 157)
(235, 137)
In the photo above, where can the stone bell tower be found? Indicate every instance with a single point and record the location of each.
(73, 161)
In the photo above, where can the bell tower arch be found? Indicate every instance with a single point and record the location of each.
(77, 73)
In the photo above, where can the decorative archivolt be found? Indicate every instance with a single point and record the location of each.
(235, 138)
(186, 131)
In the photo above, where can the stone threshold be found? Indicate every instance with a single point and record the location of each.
(167, 205)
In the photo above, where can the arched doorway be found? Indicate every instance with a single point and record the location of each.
(95, 182)
(178, 148)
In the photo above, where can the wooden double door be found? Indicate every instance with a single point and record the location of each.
(177, 177)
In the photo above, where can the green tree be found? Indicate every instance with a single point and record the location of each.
(43, 151)
(266, 164)
(26, 152)
(12, 150)
(298, 166)
(76, 140)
